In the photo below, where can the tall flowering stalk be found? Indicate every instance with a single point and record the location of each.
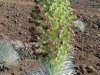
(55, 39)
(58, 21)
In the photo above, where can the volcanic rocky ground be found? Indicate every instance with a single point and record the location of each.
(15, 25)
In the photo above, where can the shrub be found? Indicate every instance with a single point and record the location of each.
(8, 56)
(80, 25)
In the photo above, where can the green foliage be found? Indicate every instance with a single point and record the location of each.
(56, 34)
(58, 20)
(8, 56)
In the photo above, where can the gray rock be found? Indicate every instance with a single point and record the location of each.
(90, 69)
(90, 45)
(17, 44)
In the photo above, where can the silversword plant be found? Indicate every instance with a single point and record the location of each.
(56, 37)
(8, 56)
